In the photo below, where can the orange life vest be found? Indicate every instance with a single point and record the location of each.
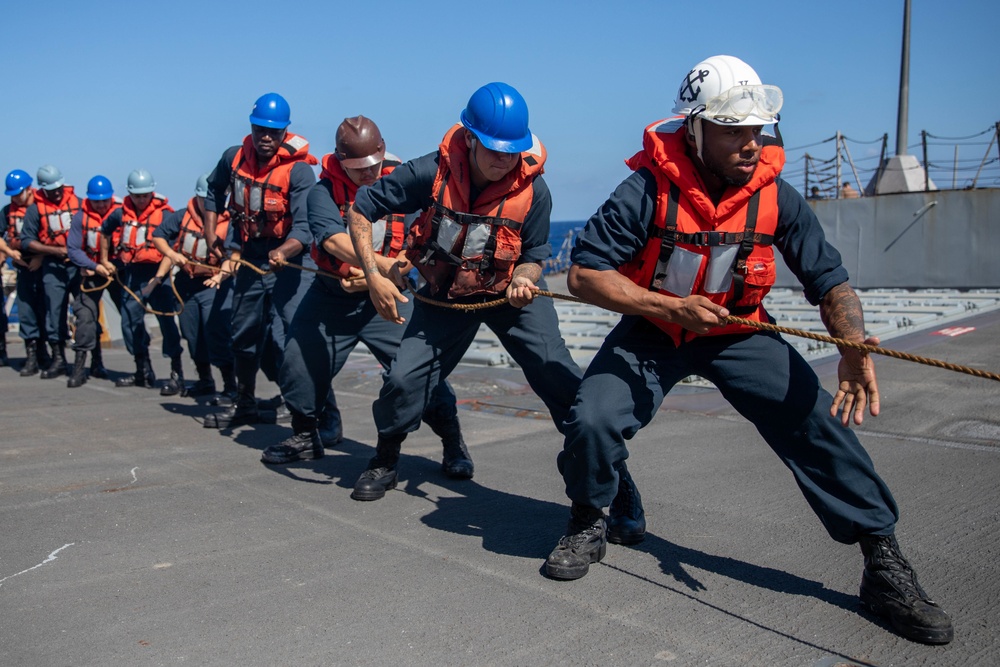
(91, 222)
(135, 245)
(260, 199)
(54, 219)
(721, 251)
(387, 233)
(15, 221)
(468, 248)
(191, 239)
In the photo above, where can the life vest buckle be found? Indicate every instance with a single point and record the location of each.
(708, 238)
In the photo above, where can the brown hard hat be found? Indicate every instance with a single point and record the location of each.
(359, 143)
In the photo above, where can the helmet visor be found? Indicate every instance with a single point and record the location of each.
(745, 105)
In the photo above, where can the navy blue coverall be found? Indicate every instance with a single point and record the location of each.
(436, 338)
(329, 324)
(761, 375)
(205, 321)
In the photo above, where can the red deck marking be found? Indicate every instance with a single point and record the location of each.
(953, 331)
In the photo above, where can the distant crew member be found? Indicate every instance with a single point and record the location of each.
(206, 320)
(848, 192)
(127, 237)
(269, 177)
(15, 255)
(44, 232)
(30, 299)
(83, 244)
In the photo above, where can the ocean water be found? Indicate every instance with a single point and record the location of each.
(559, 230)
(561, 235)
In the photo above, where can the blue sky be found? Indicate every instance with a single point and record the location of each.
(107, 87)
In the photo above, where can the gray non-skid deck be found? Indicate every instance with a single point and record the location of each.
(130, 535)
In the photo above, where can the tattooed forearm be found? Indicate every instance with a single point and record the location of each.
(361, 236)
(841, 312)
(530, 270)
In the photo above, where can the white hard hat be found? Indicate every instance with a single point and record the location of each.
(726, 91)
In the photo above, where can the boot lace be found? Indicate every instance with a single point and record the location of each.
(886, 557)
(581, 533)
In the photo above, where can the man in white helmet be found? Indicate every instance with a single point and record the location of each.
(684, 242)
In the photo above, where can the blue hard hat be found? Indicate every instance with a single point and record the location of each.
(271, 110)
(498, 116)
(17, 181)
(99, 188)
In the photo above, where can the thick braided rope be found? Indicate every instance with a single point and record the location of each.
(97, 288)
(839, 342)
(146, 308)
(260, 271)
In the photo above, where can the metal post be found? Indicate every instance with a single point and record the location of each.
(807, 176)
(837, 184)
(954, 171)
(927, 178)
(904, 86)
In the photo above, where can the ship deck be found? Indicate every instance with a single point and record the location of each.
(134, 536)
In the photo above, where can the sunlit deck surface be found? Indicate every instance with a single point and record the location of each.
(131, 535)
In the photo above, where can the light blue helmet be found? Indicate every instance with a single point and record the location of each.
(141, 182)
(271, 110)
(498, 116)
(201, 187)
(50, 178)
(16, 182)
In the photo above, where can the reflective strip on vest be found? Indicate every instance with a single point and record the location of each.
(59, 222)
(92, 244)
(378, 235)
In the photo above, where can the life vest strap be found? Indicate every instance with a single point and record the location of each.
(707, 239)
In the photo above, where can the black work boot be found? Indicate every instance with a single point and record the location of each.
(331, 429)
(626, 518)
(889, 588)
(300, 446)
(380, 475)
(4, 361)
(175, 384)
(456, 461)
(42, 350)
(97, 369)
(228, 394)
(205, 386)
(57, 366)
(31, 357)
(244, 410)
(585, 542)
(143, 376)
(79, 375)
